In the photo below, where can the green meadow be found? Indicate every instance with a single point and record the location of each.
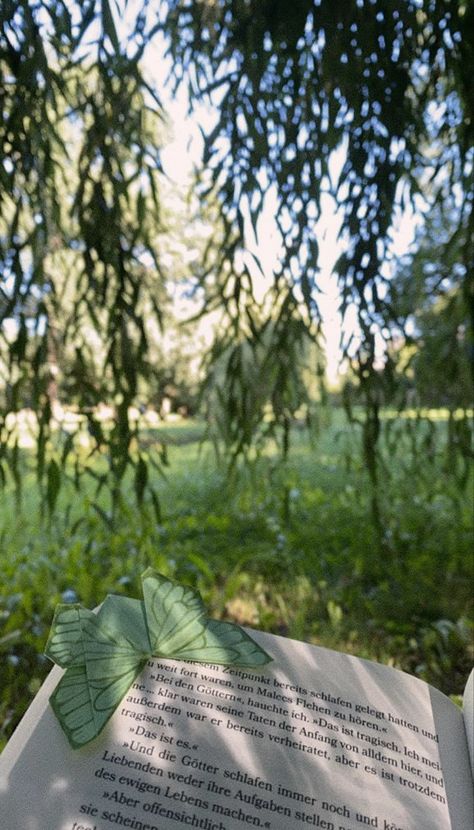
(286, 546)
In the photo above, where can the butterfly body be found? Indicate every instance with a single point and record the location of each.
(103, 653)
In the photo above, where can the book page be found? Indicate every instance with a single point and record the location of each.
(468, 713)
(314, 739)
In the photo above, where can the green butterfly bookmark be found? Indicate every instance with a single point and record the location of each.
(103, 653)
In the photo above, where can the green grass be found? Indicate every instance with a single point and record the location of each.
(287, 547)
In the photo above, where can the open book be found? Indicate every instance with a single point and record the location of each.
(315, 738)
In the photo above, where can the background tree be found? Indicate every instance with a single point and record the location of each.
(80, 226)
(386, 86)
(383, 83)
(428, 294)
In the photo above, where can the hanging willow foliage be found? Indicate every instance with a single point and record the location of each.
(389, 85)
(79, 223)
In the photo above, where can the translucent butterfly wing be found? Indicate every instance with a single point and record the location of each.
(65, 639)
(100, 672)
(178, 627)
(83, 706)
(175, 614)
(226, 644)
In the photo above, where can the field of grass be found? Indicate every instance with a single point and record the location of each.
(287, 547)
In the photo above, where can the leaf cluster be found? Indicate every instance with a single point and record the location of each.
(295, 83)
(79, 221)
(366, 102)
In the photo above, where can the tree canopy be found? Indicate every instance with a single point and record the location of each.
(385, 87)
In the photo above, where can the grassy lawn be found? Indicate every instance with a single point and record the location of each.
(287, 547)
